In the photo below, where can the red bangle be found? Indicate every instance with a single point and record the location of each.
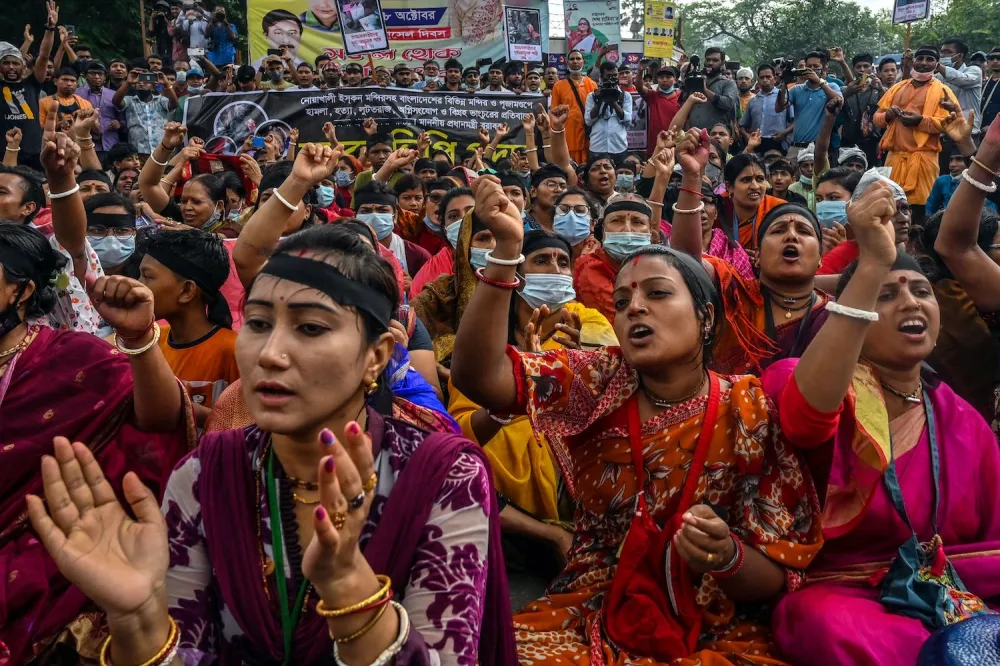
(735, 565)
(690, 191)
(375, 605)
(497, 283)
(136, 337)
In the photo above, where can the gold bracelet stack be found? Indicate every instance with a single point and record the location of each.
(165, 655)
(142, 350)
(379, 601)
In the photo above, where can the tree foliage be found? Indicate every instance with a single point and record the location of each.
(109, 27)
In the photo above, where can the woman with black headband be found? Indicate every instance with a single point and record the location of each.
(911, 545)
(121, 403)
(329, 532)
(645, 436)
(545, 315)
(766, 319)
(185, 269)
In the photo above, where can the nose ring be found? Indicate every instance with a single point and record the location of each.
(284, 357)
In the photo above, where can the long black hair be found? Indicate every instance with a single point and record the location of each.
(41, 265)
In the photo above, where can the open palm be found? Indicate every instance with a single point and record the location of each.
(118, 562)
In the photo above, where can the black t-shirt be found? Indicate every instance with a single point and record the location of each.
(421, 338)
(19, 104)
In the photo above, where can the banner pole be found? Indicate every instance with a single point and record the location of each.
(142, 28)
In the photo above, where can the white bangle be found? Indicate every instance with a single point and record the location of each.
(68, 193)
(698, 209)
(490, 259)
(282, 199)
(13, 150)
(989, 188)
(158, 162)
(390, 652)
(853, 313)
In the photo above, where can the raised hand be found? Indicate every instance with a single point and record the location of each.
(528, 123)
(315, 163)
(568, 330)
(665, 139)
(59, 152)
(542, 120)
(173, 135)
(194, 150)
(833, 236)
(698, 98)
(663, 163)
(402, 157)
(119, 563)
(703, 541)
(501, 132)
(126, 304)
(370, 126)
(957, 127)
(86, 123)
(13, 137)
(330, 133)
(484, 135)
(496, 211)
(692, 150)
(870, 217)
(753, 143)
(293, 136)
(423, 143)
(332, 557)
(250, 168)
(28, 37)
(557, 117)
(52, 12)
(532, 330)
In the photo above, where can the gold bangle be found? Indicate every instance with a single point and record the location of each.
(362, 631)
(323, 611)
(168, 647)
(977, 162)
(143, 349)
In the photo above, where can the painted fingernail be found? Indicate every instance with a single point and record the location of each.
(320, 513)
(326, 436)
(353, 428)
(328, 465)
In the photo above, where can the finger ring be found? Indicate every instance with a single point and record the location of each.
(370, 483)
(709, 558)
(356, 502)
(338, 518)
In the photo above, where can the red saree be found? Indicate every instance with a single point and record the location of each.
(75, 385)
(594, 280)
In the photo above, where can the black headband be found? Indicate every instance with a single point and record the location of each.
(15, 261)
(905, 262)
(117, 220)
(186, 269)
(628, 204)
(927, 51)
(371, 197)
(788, 209)
(539, 239)
(325, 278)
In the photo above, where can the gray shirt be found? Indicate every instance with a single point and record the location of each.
(967, 84)
(721, 109)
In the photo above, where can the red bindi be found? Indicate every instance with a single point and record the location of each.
(902, 279)
(635, 284)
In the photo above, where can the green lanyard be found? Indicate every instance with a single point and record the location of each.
(289, 617)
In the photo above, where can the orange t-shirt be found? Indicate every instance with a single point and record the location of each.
(562, 93)
(206, 366)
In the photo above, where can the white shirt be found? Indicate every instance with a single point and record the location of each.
(609, 133)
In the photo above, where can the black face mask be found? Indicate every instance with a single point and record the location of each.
(10, 318)
(144, 94)
(274, 75)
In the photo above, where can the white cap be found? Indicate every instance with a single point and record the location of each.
(807, 154)
(8, 49)
(744, 73)
(848, 153)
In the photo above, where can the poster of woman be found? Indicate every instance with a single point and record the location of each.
(590, 26)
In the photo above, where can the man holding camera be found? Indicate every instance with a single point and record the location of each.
(221, 47)
(721, 92)
(608, 114)
(808, 101)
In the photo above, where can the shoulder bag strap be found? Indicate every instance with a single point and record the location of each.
(891, 479)
(576, 94)
(700, 453)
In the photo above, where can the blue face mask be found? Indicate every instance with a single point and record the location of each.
(192, 90)
(324, 195)
(436, 228)
(343, 178)
(620, 244)
(213, 222)
(946, 61)
(452, 233)
(381, 223)
(806, 180)
(234, 215)
(477, 257)
(111, 250)
(829, 212)
(541, 289)
(625, 181)
(667, 91)
(572, 226)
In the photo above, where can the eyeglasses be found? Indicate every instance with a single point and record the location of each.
(579, 209)
(993, 57)
(554, 184)
(435, 198)
(117, 232)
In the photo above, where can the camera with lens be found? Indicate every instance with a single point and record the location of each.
(694, 79)
(788, 71)
(608, 90)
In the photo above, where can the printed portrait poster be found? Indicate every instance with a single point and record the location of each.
(591, 25)
(415, 30)
(362, 26)
(658, 31)
(524, 34)
(907, 11)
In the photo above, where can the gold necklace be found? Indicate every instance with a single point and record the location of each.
(913, 397)
(664, 403)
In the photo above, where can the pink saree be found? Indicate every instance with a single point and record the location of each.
(78, 386)
(836, 617)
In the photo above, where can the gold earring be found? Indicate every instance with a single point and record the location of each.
(372, 387)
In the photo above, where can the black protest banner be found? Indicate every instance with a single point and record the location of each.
(224, 121)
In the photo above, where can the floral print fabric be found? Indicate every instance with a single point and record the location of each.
(443, 597)
(751, 479)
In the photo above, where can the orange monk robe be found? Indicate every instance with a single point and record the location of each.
(562, 93)
(912, 152)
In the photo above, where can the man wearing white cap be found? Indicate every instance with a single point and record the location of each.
(19, 94)
(804, 186)
(744, 82)
(853, 157)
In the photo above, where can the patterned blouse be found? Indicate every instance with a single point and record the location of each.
(445, 590)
